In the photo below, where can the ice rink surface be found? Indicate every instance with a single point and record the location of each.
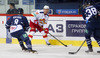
(14, 51)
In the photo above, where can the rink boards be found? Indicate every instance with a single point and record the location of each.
(67, 28)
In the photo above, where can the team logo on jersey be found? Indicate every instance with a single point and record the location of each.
(13, 27)
(42, 21)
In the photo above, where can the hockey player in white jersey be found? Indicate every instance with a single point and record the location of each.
(38, 20)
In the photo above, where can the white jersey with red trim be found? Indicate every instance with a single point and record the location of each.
(39, 18)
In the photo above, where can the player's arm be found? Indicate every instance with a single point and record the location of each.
(84, 14)
(26, 24)
(34, 18)
(8, 23)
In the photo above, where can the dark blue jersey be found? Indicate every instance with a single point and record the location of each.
(16, 23)
(90, 13)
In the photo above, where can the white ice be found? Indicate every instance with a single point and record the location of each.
(14, 51)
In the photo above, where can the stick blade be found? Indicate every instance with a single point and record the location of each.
(72, 52)
(65, 45)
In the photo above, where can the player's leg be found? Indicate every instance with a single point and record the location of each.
(31, 33)
(97, 37)
(26, 39)
(45, 36)
(88, 40)
(32, 30)
(22, 44)
(17, 35)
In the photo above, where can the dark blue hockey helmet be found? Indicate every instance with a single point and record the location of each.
(20, 11)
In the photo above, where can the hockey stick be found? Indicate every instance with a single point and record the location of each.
(55, 37)
(58, 40)
(78, 49)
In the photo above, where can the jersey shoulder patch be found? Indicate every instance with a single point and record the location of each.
(35, 14)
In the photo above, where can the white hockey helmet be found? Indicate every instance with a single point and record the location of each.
(46, 7)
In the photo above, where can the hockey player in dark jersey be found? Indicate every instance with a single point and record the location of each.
(90, 14)
(17, 26)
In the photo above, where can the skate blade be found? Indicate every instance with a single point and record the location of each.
(34, 52)
(90, 52)
(49, 45)
(30, 51)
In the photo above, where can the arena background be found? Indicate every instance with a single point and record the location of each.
(65, 20)
(67, 28)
